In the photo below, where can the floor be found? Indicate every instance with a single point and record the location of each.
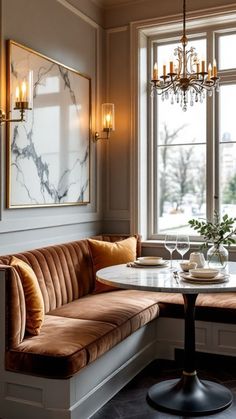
(131, 403)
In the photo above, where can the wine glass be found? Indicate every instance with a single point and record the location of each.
(170, 245)
(182, 245)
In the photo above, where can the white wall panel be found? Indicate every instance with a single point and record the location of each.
(117, 198)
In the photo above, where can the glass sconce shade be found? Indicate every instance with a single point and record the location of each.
(23, 92)
(108, 117)
(108, 121)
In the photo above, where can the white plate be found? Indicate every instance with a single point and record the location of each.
(150, 260)
(142, 263)
(217, 279)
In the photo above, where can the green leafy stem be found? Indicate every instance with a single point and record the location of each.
(217, 232)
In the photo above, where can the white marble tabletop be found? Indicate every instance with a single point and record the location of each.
(161, 279)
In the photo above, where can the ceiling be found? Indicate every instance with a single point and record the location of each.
(113, 3)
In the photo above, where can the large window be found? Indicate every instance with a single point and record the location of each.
(192, 154)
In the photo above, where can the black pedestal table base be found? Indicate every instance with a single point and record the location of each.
(189, 395)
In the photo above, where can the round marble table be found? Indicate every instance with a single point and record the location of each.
(187, 395)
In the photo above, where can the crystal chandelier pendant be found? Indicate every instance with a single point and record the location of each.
(186, 77)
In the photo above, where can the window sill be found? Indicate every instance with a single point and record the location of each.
(194, 246)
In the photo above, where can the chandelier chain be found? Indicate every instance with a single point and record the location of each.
(184, 18)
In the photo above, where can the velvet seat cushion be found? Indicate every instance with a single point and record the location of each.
(59, 351)
(114, 307)
(215, 307)
(79, 332)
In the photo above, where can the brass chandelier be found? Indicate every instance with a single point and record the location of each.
(187, 80)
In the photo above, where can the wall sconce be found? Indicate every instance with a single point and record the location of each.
(108, 121)
(22, 99)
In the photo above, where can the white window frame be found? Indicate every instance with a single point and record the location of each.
(212, 23)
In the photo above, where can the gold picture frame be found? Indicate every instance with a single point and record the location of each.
(48, 159)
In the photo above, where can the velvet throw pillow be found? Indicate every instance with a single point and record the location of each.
(107, 254)
(33, 296)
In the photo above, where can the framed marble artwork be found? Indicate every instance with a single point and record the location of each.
(48, 153)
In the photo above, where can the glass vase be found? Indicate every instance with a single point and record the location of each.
(217, 256)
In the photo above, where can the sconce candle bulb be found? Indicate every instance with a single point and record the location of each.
(108, 120)
(107, 124)
(17, 94)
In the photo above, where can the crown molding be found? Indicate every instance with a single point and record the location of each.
(78, 13)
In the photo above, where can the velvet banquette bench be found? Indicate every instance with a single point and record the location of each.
(67, 344)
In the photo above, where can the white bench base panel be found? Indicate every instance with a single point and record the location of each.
(215, 338)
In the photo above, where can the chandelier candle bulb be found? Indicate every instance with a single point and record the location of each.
(209, 71)
(155, 72)
(198, 68)
(164, 70)
(203, 66)
(214, 68)
(171, 67)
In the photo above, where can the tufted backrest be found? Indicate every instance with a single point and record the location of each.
(64, 272)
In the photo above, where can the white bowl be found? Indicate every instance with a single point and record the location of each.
(204, 272)
(186, 266)
(150, 260)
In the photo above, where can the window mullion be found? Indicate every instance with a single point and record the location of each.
(216, 133)
(152, 168)
(211, 167)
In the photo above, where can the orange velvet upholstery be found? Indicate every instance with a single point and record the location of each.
(15, 310)
(64, 272)
(218, 307)
(78, 333)
(33, 297)
(106, 254)
(78, 327)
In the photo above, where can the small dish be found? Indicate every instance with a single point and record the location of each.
(204, 273)
(186, 266)
(204, 281)
(150, 260)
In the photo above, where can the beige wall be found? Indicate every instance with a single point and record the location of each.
(66, 35)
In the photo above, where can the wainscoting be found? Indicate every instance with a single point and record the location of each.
(215, 338)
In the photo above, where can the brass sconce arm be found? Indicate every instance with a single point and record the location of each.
(3, 118)
(97, 136)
